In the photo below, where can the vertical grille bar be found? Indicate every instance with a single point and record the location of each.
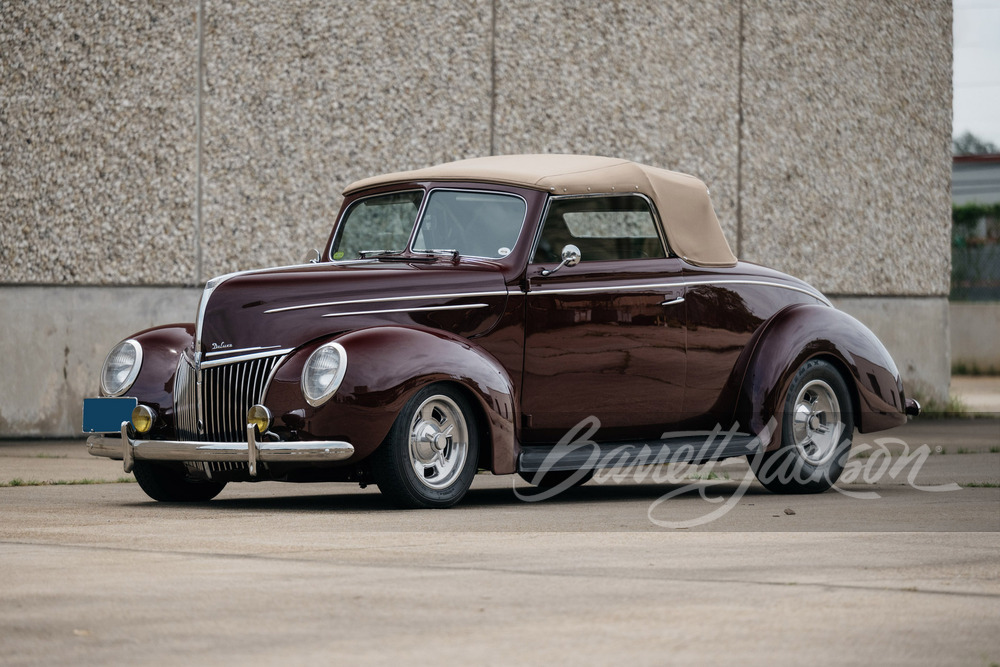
(225, 394)
(185, 401)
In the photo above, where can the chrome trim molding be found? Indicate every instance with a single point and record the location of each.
(386, 299)
(682, 283)
(461, 306)
(199, 326)
(242, 349)
(245, 357)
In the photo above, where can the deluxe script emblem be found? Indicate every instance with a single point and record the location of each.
(221, 346)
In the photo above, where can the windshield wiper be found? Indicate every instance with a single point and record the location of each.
(413, 256)
(440, 251)
(365, 254)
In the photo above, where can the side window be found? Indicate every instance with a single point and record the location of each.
(604, 228)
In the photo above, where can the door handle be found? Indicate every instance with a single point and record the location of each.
(671, 302)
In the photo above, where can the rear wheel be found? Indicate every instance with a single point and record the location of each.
(170, 485)
(816, 431)
(431, 454)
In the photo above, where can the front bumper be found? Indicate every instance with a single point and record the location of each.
(251, 452)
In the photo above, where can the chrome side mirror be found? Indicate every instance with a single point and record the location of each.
(312, 257)
(570, 257)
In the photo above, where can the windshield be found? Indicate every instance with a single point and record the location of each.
(481, 224)
(383, 222)
(478, 224)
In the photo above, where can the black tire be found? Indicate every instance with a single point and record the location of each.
(817, 426)
(431, 454)
(169, 484)
(555, 478)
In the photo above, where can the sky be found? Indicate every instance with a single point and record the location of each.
(977, 69)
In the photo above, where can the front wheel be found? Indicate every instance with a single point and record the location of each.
(816, 431)
(431, 454)
(170, 485)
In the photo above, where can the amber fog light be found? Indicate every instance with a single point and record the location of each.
(260, 417)
(143, 417)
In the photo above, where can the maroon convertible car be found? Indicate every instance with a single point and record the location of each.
(477, 315)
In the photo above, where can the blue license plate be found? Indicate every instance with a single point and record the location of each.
(105, 415)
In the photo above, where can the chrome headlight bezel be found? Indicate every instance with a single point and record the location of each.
(133, 371)
(318, 391)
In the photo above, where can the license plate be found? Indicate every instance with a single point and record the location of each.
(105, 415)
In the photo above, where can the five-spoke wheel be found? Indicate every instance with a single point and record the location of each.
(816, 431)
(430, 457)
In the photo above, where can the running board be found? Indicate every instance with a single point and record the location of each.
(685, 448)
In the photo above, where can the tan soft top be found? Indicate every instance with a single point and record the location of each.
(692, 228)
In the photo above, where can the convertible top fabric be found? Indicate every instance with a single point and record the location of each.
(690, 223)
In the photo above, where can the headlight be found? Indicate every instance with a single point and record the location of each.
(323, 373)
(121, 367)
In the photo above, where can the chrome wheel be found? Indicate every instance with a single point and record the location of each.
(816, 423)
(438, 442)
(431, 454)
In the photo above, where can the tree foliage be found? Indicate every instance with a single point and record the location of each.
(969, 144)
(966, 215)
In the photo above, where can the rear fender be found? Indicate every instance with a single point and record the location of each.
(802, 332)
(385, 367)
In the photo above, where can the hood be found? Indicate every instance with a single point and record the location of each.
(273, 310)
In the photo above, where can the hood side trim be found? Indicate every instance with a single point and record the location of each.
(386, 299)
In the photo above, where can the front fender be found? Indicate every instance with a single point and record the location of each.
(154, 385)
(806, 331)
(385, 367)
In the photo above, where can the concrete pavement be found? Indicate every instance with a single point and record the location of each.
(892, 570)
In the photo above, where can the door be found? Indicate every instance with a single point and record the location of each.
(604, 338)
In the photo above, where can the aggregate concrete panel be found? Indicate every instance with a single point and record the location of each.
(53, 341)
(656, 82)
(302, 99)
(839, 172)
(97, 142)
(846, 143)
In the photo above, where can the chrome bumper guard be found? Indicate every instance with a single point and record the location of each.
(130, 450)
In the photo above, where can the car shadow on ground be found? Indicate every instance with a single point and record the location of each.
(358, 500)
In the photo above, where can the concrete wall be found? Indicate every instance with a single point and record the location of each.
(160, 143)
(975, 335)
(54, 340)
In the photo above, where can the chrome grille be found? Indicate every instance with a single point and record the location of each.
(185, 400)
(218, 398)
